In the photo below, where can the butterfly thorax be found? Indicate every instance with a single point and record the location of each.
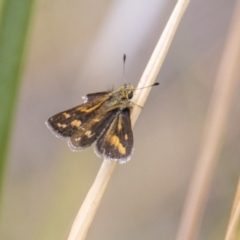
(120, 98)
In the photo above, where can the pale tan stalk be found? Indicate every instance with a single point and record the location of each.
(215, 123)
(234, 220)
(88, 209)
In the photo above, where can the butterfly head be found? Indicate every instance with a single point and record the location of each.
(129, 90)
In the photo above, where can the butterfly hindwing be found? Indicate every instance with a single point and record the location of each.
(91, 130)
(116, 142)
(66, 123)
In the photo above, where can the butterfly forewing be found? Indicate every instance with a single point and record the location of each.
(66, 123)
(116, 142)
(90, 96)
(91, 130)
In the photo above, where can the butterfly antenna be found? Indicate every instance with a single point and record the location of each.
(155, 84)
(124, 73)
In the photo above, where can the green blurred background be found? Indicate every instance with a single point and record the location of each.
(74, 48)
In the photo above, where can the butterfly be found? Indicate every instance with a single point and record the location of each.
(104, 118)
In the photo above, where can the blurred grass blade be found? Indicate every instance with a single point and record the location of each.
(213, 134)
(14, 22)
(233, 232)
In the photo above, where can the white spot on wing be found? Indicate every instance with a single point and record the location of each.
(85, 99)
(74, 148)
(55, 133)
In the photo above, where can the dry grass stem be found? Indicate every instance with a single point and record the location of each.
(89, 207)
(235, 217)
(214, 128)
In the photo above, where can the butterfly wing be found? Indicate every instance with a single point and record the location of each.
(116, 142)
(89, 97)
(66, 123)
(91, 130)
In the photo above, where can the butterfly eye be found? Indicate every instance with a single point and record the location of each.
(130, 94)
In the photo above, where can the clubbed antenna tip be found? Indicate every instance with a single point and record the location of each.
(154, 84)
(124, 58)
